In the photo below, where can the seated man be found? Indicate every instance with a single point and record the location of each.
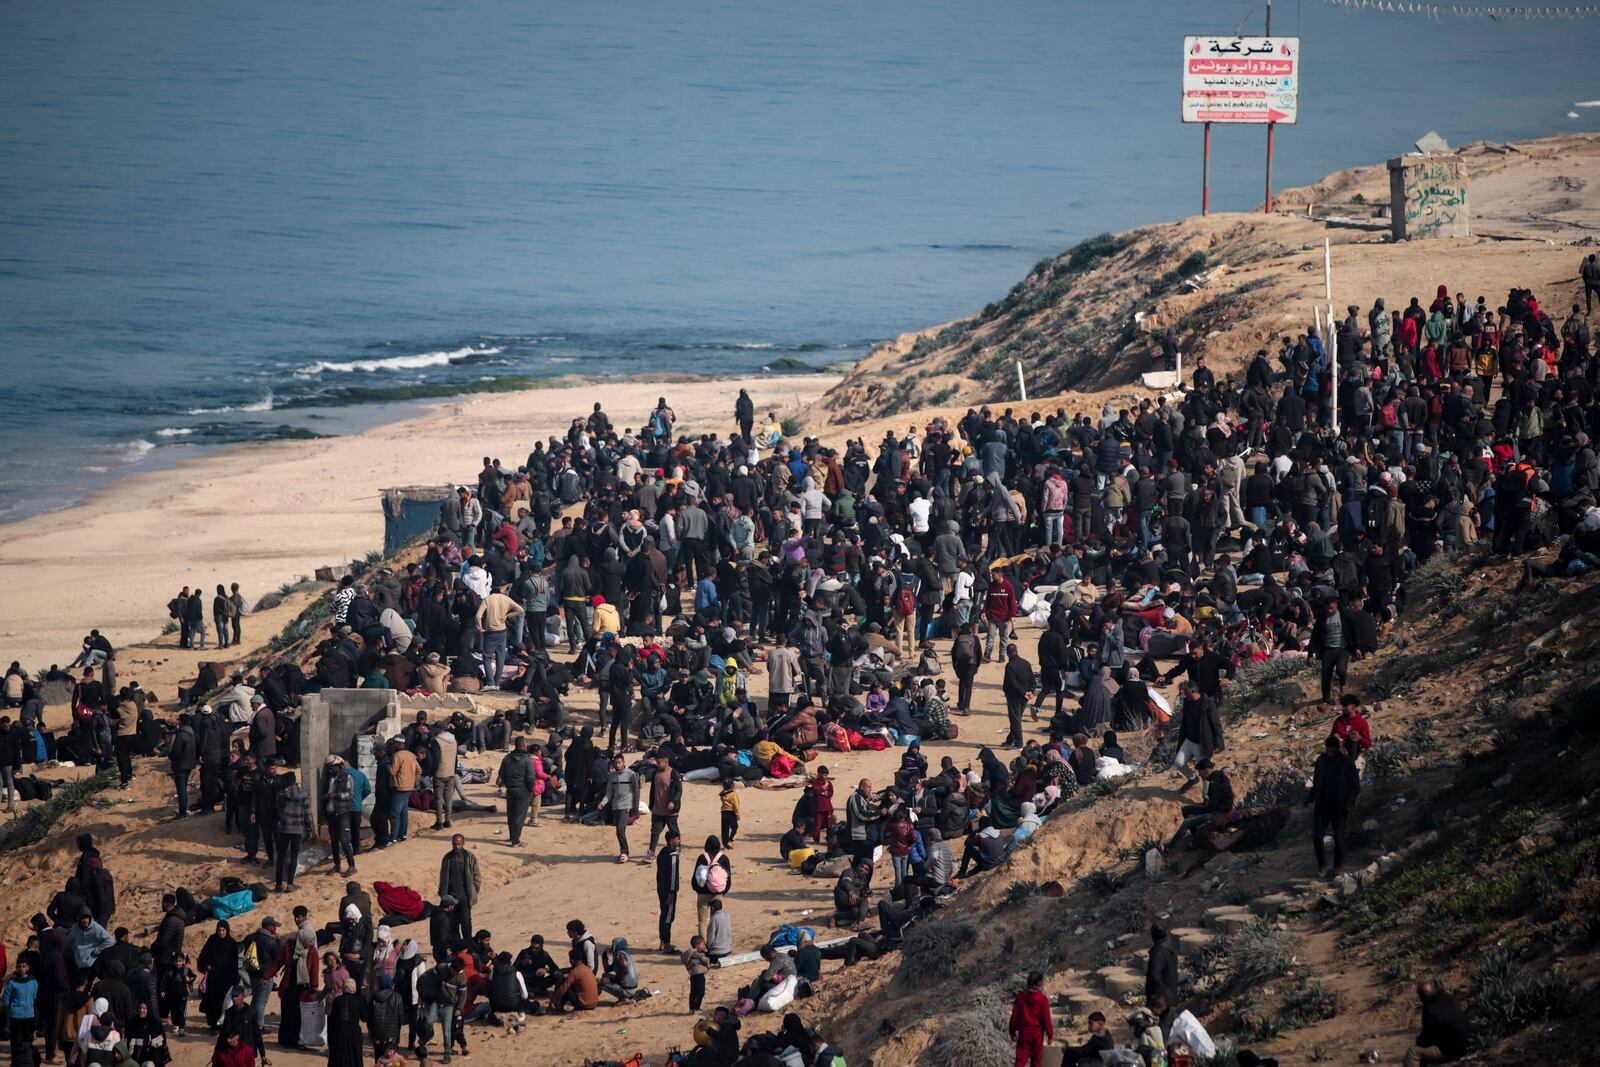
(795, 837)
(1218, 801)
(492, 733)
(1089, 1052)
(538, 969)
(984, 849)
(852, 894)
(579, 990)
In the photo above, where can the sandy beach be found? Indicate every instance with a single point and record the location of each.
(264, 514)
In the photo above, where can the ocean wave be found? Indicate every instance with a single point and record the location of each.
(413, 362)
(1586, 103)
(175, 431)
(738, 346)
(264, 404)
(135, 450)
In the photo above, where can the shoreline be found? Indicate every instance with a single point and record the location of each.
(263, 513)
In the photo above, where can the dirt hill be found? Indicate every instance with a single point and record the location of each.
(1472, 858)
(1232, 283)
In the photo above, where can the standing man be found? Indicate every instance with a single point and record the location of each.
(294, 822)
(1161, 973)
(516, 777)
(666, 798)
(19, 1004)
(444, 778)
(239, 606)
(1017, 684)
(211, 750)
(339, 808)
(784, 674)
(621, 801)
(744, 410)
(1590, 273)
(494, 617)
(404, 774)
(181, 758)
(459, 878)
(966, 652)
(667, 873)
(1335, 784)
(1199, 731)
(860, 812)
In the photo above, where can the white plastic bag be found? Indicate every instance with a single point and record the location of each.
(779, 996)
(1187, 1029)
(313, 1022)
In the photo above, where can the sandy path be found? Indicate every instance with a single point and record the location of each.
(563, 871)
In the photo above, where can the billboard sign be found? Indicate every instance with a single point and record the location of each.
(1241, 79)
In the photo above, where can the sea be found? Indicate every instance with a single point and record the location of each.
(233, 221)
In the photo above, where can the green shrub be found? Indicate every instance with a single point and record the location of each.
(1100, 883)
(1019, 891)
(791, 426)
(1506, 1001)
(1259, 953)
(1437, 580)
(1276, 788)
(975, 1036)
(932, 951)
(37, 821)
(1192, 264)
(1263, 681)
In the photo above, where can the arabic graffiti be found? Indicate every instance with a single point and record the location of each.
(1433, 197)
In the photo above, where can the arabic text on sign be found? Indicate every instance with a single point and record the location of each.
(1260, 67)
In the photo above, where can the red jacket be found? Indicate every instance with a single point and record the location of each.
(1000, 602)
(1030, 1013)
(1356, 726)
(240, 1055)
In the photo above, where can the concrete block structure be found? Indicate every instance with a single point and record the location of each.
(1428, 197)
(330, 721)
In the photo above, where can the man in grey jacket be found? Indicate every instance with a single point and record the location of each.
(621, 801)
(517, 777)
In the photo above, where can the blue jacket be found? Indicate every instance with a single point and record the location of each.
(361, 788)
(20, 996)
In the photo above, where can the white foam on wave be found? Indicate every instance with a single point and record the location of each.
(264, 404)
(415, 362)
(174, 431)
(1586, 103)
(134, 451)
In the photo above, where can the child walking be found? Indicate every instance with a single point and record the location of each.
(730, 813)
(176, 983)
(821, 790)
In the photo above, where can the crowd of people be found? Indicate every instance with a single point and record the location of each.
(1187, 536)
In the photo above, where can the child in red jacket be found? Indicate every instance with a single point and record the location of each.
(1031, 1025)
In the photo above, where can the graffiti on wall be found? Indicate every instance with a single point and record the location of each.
(1435, 198)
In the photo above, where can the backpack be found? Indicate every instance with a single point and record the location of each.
(709, 875)
(251, 960)
(905, 602)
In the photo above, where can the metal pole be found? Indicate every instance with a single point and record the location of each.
(1327, 271)
(1022, 386)
(1267, 207)
(1205, 176)
(1333, 354)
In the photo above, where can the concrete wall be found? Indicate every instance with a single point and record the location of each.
(1428, 197)
(329, 722)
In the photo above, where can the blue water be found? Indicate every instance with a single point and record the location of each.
(204, 204)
